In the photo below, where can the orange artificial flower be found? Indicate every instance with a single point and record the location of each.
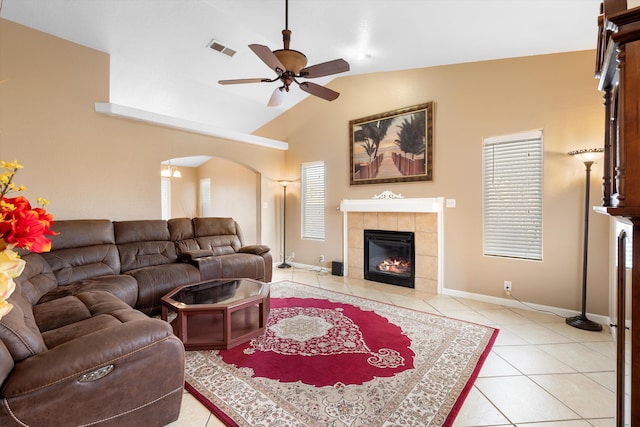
(23, 226)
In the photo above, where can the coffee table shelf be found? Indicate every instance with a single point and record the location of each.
(217, 314)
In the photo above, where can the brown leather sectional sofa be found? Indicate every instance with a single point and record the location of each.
(76, 349)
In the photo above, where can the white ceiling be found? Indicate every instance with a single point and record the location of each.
(160, 62)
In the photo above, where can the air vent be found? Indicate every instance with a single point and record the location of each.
(217, 46)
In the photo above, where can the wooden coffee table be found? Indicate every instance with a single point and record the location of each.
(217, 314)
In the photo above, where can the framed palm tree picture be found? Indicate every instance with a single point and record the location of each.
(395, 146)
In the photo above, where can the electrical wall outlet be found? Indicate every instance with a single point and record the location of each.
(321, 258)
(507, 287)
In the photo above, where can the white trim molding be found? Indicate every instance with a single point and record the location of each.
(186, 125)
(513, 303)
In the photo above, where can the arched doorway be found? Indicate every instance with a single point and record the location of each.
(212, 186)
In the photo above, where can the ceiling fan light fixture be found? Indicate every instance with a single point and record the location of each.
(293, 60)
(277, 97)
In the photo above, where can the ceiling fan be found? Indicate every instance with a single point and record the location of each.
(290, 65)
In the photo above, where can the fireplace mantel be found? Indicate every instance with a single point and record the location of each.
(393, 204)
(389, 202)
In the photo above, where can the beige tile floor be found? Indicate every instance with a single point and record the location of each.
(540, 372)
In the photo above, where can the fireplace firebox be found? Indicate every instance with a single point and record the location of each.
(389, 257)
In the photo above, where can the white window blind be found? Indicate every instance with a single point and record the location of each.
(165, 197)
(313, 200)
(512, 184)
(204, 198)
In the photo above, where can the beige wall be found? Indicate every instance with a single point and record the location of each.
(96, 166)
(184, 193)
(556, 93)
(90, 165)
(235, 191)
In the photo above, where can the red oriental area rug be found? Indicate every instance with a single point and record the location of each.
(331, 359)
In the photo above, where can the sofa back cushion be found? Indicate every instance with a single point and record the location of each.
(83, 249)
(77, 233)
(37, 278)
(18, 329)
(220, 235)
(182, 233)
(143, 244)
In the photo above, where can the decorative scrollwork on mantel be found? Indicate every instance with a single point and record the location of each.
(387, 194)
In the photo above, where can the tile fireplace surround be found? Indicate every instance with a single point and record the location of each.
(388, 211)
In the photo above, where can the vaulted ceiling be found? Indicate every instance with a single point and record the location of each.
(160, 61)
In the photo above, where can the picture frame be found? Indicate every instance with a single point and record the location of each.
(395, 146)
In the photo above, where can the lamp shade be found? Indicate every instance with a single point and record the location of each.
(588, 154)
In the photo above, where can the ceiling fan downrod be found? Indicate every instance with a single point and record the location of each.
(286, 33)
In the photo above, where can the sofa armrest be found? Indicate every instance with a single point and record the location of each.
(254, 249)
(131, 370)
(83, 355)
(130, 374)
(194, 254)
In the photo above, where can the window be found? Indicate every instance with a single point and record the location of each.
(313, 200)
(165, 197)
(205, 197)
(512, 184)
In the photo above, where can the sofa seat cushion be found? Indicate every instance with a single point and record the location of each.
(59, 312)
(156, 281)
(55, 337)
(71, 317)
(123, 286)
(18, 328)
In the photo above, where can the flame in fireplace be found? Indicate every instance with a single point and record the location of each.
(395, 265)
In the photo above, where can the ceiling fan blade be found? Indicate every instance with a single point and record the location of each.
(240, 81)
(319, 91)
(277, 97)
(268, 57)
(324, 69)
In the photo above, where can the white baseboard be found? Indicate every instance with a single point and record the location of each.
(308, 267)
(513, 303)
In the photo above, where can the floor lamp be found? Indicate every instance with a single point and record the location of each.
(284, 225)
(588, 157)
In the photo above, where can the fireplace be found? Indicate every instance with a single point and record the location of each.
(389, 257)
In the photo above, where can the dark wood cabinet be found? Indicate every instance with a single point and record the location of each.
(618, 73)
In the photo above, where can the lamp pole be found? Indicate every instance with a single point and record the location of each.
(284, 225)
(581, 321)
